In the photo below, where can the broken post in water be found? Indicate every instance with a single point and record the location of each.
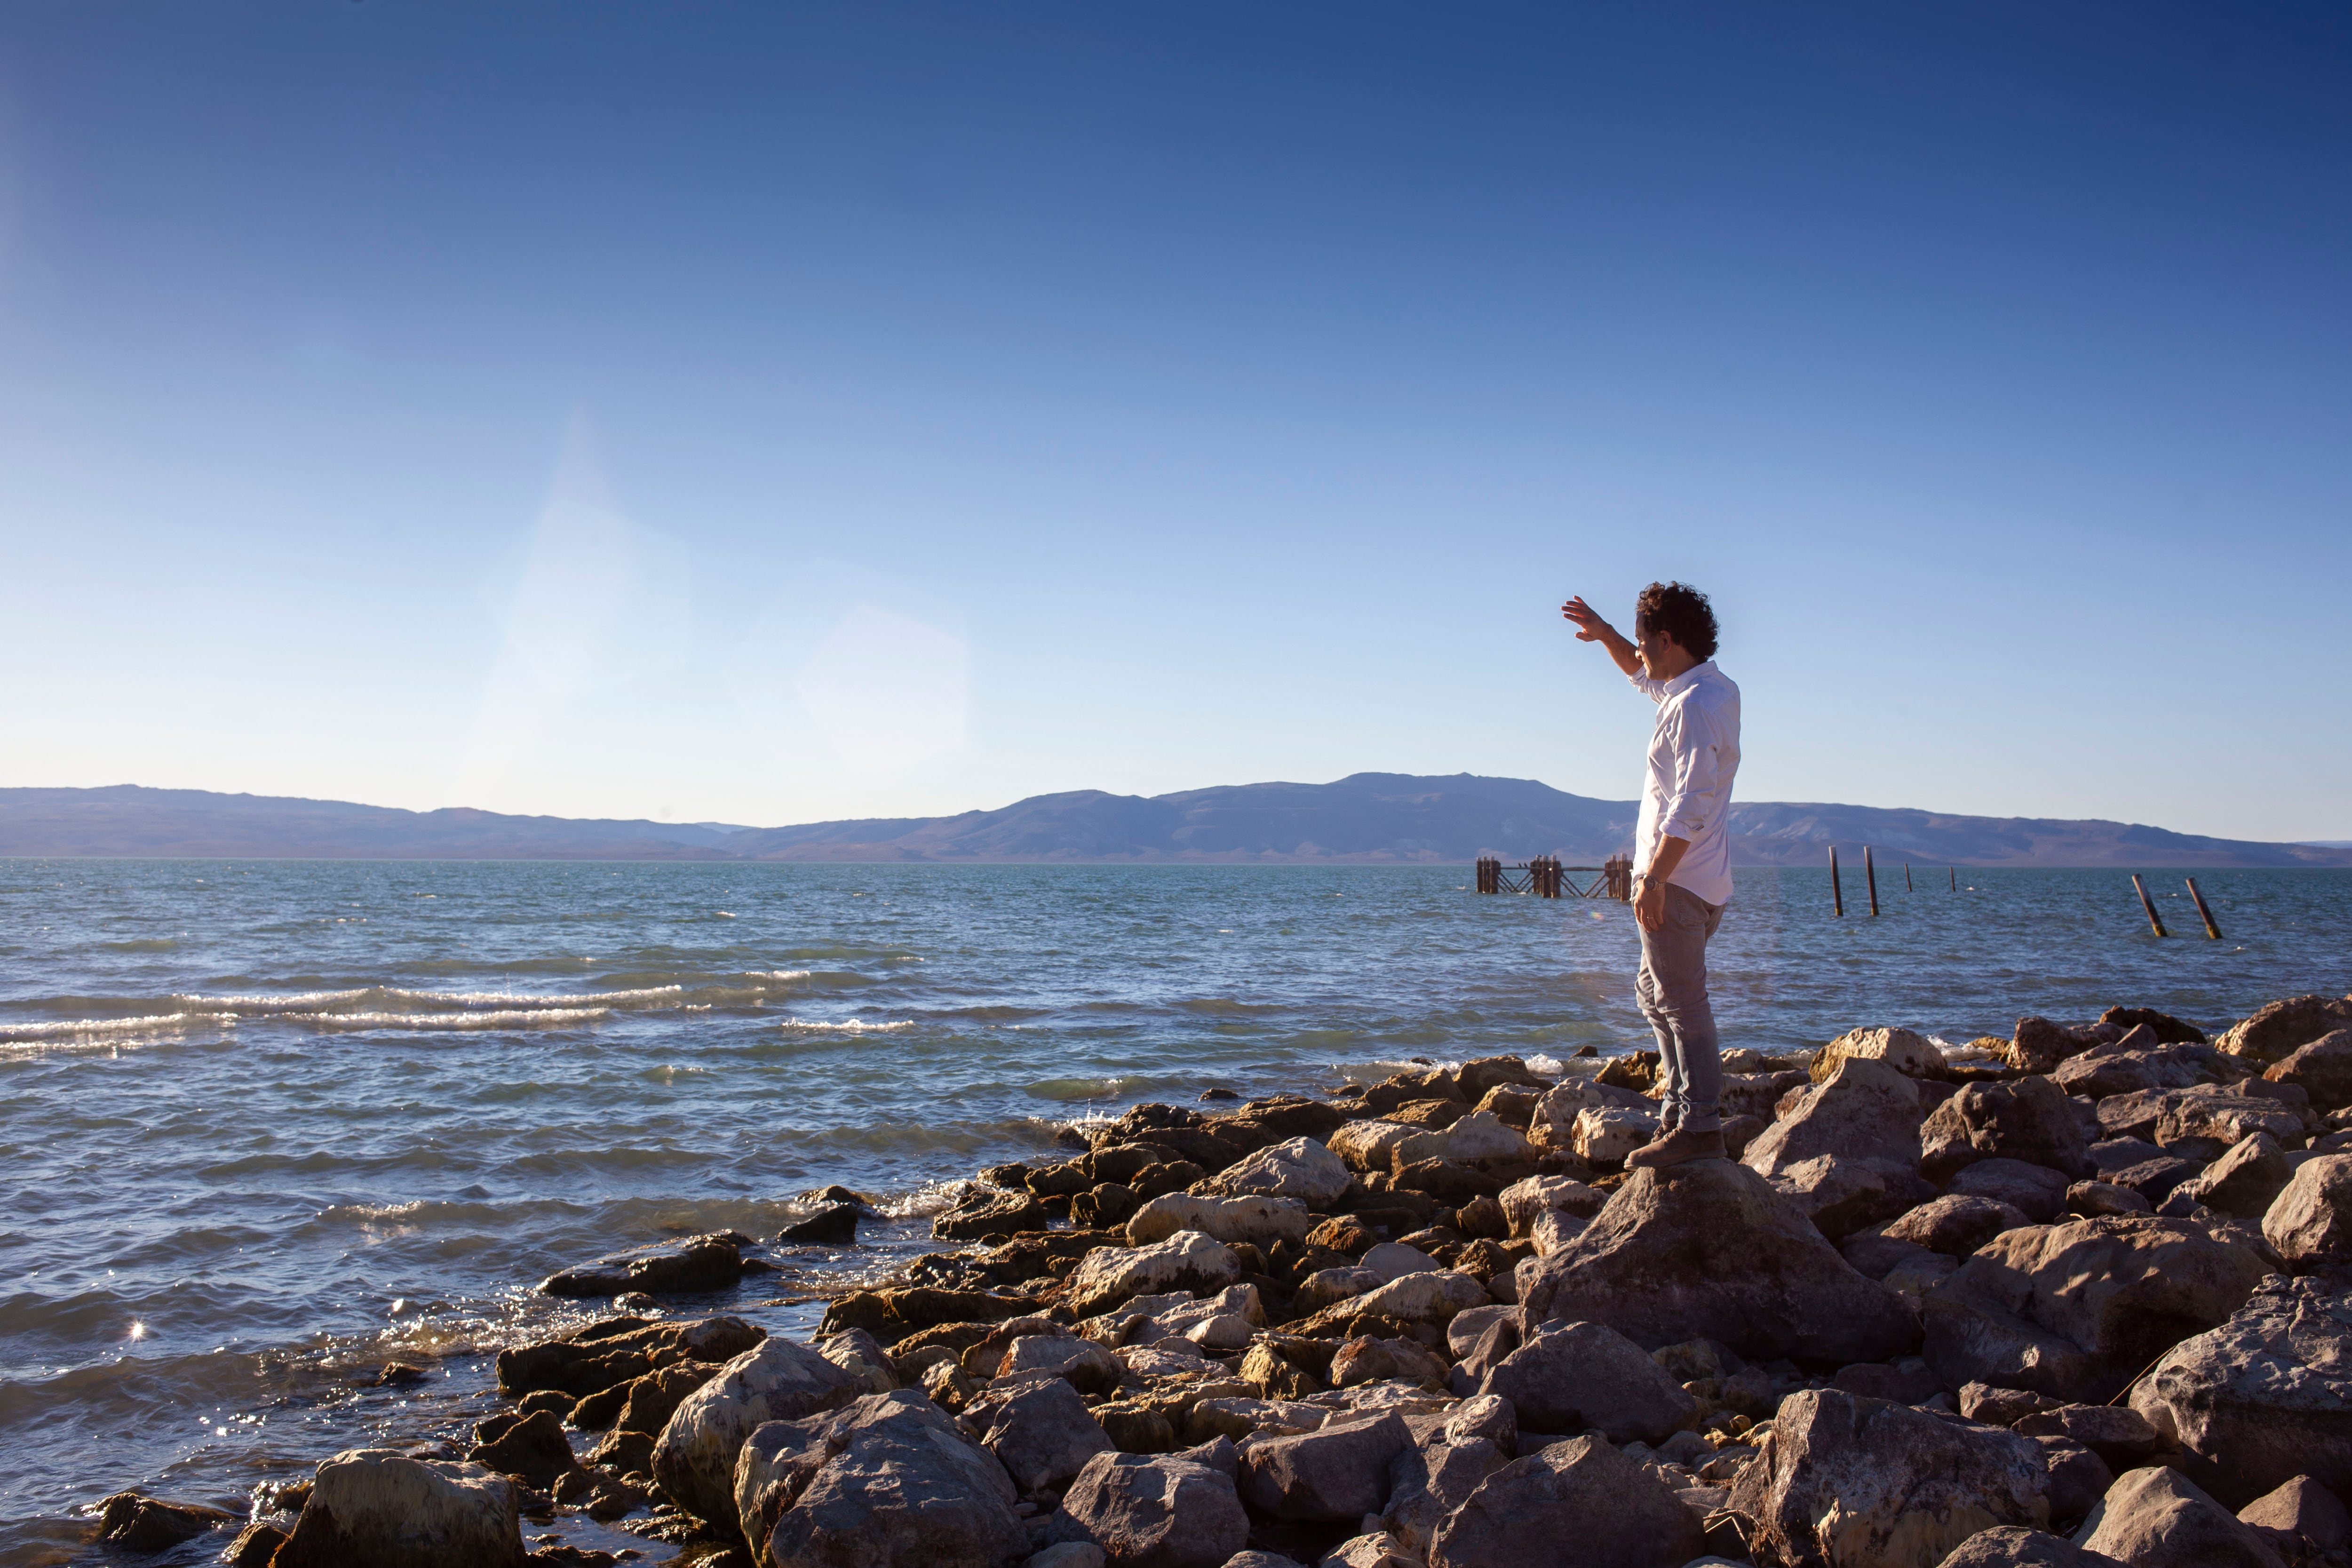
(1906, 875)
(1870, 876)
(1837, 895)
(2149, 904)
(1546, 877)
(1954, 876)
(2202, 913)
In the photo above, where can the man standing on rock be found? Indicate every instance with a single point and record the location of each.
(1681, 850)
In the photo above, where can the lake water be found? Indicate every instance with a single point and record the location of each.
(268, 1124)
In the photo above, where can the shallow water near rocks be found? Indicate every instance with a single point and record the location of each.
(268, 1125)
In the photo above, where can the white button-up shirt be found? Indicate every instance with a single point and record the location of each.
(1694, 751)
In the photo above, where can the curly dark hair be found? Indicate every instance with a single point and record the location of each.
(1682, 613)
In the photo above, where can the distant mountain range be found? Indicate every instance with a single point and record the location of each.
(1369, 818)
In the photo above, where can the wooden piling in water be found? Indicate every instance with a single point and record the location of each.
(1906, 875)
(2149, 904)
(2202, 913)
(1870, 875)
(1954, 876)
(1837, 896)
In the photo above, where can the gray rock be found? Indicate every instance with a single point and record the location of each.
(1300, 1168)
(1957, 1224)
(2011, 1546)
(1068, 1554)
(1042, 1435)
(1579, 1504)
(835, 1224)
(1489, 1417)
(374, 1507)
(2323, 1069)
(2310, 1222)
(2211, 1117)
(1394, 1260)
(1327, 1287)
(990, 1211)
(2078, 1477)
(1841, 1479)
(1377, 1550)
(1426, 1485)
(146, 1525)
(533, 1450)
(694, 1457)
(2030, 1120)
(1261, 1560)
(2091, 1199)
(2076, 1309)
(2303, 1508)
(1572, 1377)
(1154, 1511)
(2157, 1518)
(1369, 1360)
(885, 1480)
(1709, 1250)
(2117, 1434)
(2278, 1029)
(2037, 1191)
(1081, 1362)
(1334, 1474)
(1254, 1218)
(1185, 1261)
(1849, 1156)
(2264, 1398)
(1523, 1201)
(697, 1263)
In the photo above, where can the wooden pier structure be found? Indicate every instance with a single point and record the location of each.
(1545, 878)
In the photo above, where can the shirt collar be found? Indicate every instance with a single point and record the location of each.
(1689, 677)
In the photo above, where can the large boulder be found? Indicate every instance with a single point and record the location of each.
(1431, 1297)
(136, 1522)
(885, 1482)
(1365, 1145)
(2076, 1309)
(2322, 1070)
(1427, 1484)
(2280, 1028)
(694, 1457)
(1478, 1137)
(2038, 1045)
(532, 1449)
(2031, 1119)
(1301, 1169)
(2204, 1120)
(696, 1264)
(1708, 1250)
(2013, 1546)
(1154, 1511)
(1907, 1051)
(1187, 1260)
(1575, 1377)
(1262, 1222)
(374, 1507)
(2157, 1518)
(1525, 1202)
(2243, 1184)
(2313, 1518)
(984, 1211)
(1333, 1474)
(2036, 1191)
(1842, 1479)
(2309, 1224)
(1957, 1223)
(2264, 1397)
(1043, 1434)
(1579, 1504)
(1848, 1156)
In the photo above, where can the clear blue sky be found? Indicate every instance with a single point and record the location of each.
(762, 413)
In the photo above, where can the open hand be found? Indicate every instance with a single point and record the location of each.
(1589, 626)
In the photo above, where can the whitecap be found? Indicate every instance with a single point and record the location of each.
(847, 1026)
(71, 1028)
(509, 1018)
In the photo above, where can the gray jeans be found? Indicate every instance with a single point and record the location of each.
(1672, 989)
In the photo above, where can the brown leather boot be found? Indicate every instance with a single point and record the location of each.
(1677, 1147)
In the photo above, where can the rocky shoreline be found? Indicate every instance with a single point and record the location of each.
(2082, 1295)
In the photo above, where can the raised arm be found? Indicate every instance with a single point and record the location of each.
(1590, 627)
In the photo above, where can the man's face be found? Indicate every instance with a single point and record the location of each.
(1652, 644)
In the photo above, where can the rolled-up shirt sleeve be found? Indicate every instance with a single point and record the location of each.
(1656, 691)
(1698, 775)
